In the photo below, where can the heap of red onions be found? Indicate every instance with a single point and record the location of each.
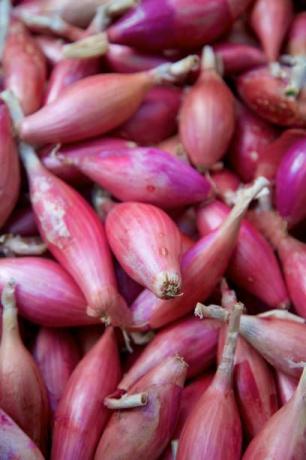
(152, 229)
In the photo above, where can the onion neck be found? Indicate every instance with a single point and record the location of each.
(10, 328)
(174, 72)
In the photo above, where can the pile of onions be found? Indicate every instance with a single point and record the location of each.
(152, 229)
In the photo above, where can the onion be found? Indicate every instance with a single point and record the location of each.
(51, 48)
(23, 394)
(162, 388)
(286, 386)
(195, 342)
(81, 417)
(21, 222)
(210, 100)
(56, 355)
(283, 436)
(237, 58)
(297, 35)
(226, 184)
(123, 59)
(14, 443)
(214, 426)
(23, 57)
(270, 20)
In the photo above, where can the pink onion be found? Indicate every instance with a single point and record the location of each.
(270, 20)
(286, 387)
(23, 394)
(194, 341)
(253, 265)
(297, 35)
(123, 59)
(283, 436)
(56, 354)
(237, 58)
(22, 57)
(81, 416)
(14, 443)
(210, 100)
(51, 48)
(143, 174)
(162, 387)
(147, 244)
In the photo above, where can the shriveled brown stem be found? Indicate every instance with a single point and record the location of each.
(127, 401)
(52, 23)
(170, 73)
(9, 314)
(212, 311)
(88, 47)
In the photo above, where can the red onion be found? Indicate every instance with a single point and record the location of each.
(56, 355)
(214, 426)
(292, 254)
(23, 57)
(237, 58)
(54, 301)
(278, 340)
(270, 20)
(271, 97)
(81, 416)
(159, 111)
(274, 152)
(158, 25)
(147, 244)
(253, 265)
(290, 183)
(162, 387)
(123, 59)
(23, 394)
(286, 387)
(174, 146)
(297, 35)
(14, 443)
(96, 104)
(226, 184)
(51, 48)
(9, 167)
(251, 140)
(143, 174)
(210, 100)
(202, 261)
(194, 341)
(283, 436)
(21, 222)
(76, 238)
(68, 71)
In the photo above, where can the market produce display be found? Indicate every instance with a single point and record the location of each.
(152, 229)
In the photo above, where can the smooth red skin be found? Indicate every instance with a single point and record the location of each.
(56, 354)
(124, 59)
(70, 173)
(145, 241)
(251, 139)
(270, 19)
(265, 95)
(254, 385)
(210, 100)
(159, 111)
(201, 262)
(51, 48)
(237, 58)
(297, 35)
(253, 265)
(293, 257)
(171, 24)
(9, 167)
(76, 238)
(213, 428)
(81, 415)
(146, 175)
(22, 57)
(225, 181)
(45, 293)
(269, 161)
(290, 194)
(122, 438)
(196, 342)
(68, 71)
(23, 394)
(283, 437)
(279, 341)
(286, 387)
(21, 222)
(89, 107)
(14, 443)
